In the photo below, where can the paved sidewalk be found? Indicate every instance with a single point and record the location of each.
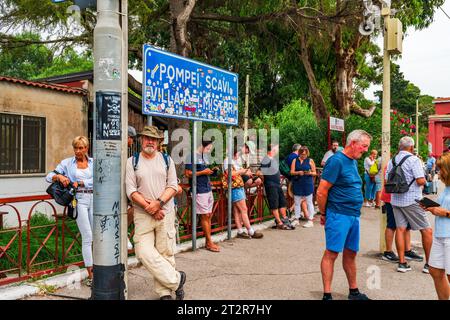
(283, 265)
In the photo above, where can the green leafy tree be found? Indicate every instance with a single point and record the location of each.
(39, 61)
(403, 92)
(25, 62)
(68, 62)
(309, 49)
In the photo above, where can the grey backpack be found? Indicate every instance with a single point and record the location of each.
(396, 180)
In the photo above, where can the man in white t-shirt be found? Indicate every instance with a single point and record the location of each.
(330, 153)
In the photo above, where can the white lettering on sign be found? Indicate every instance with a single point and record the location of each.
(178, 75)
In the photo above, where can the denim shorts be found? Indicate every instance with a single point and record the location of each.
(237, 194)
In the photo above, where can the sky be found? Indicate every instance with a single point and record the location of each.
(425, 60)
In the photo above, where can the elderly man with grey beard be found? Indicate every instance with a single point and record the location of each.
(151, 184)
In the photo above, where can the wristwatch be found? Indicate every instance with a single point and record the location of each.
(161, 203)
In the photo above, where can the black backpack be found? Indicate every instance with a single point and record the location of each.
(396, 181)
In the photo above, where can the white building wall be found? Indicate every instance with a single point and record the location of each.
(20, 187)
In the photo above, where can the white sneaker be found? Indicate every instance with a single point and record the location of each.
(295, 222)
(129, 244)
(309, 224)
(366, 204)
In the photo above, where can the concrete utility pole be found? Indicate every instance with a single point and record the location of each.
(393, 37)
(124, 154)
(108, 135)
(386, 114)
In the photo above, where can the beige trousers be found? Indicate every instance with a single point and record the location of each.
(155, 247)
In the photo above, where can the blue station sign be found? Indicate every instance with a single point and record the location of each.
(177, 87)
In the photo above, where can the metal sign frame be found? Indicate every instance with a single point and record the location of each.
(195, 142)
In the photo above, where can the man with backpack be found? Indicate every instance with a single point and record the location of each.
(151, 183)
(404, 180)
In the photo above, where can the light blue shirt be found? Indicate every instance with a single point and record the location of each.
(68, 167)
(442, 224)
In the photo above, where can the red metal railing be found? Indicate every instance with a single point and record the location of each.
(54, 246)
(219, 222)
(41, 243)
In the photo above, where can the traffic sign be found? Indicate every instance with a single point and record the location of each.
(178, 87)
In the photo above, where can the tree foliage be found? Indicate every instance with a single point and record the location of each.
(309, 49)
(38, 61)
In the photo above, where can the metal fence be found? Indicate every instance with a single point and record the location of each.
(33, 249)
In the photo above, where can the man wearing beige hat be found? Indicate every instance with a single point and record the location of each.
(151, 184)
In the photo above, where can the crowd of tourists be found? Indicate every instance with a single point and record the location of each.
(151, 184)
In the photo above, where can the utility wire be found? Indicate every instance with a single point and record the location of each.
(444, 12)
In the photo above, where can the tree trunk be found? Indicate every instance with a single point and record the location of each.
(345, 73)
(180, 12)
(318, 103)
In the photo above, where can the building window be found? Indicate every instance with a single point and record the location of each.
(22, 144)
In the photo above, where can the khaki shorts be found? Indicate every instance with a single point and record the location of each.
(205, 203)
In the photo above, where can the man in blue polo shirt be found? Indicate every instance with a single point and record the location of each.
(339, 195)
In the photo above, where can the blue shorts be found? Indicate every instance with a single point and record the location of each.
(237, 194)
(341, 231)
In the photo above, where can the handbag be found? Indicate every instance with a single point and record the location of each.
(64, 196)
(373, 170)
(236, 181)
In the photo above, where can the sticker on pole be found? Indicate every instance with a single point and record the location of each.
(108, 116)
(177, 87)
